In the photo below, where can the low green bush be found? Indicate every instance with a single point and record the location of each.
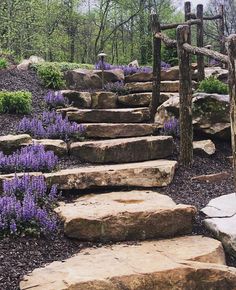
(64, 66)
(51, 75)
(18, 102)
(3, 63)
(212, 85)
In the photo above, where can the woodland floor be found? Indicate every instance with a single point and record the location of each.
(22, 254)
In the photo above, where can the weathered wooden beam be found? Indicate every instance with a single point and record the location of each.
(175, 25)
(156, 66)
(187, 16)
(200, 43)
(206, 52)
(215, 17)
(231, 50)
(185, 94)
(171, 43)
(222, 30)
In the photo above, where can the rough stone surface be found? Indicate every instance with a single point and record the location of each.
(139, 87)
(78, 99)
(204, 147)
(25, 64)
(139, 77)
(82, 79)
(135, 100)
(120, 216)
(59, 147)
(221, 220)
(110, 115)
(156, 173)
(210, 113)
(105, 130)
(185, 263)
(123, 150)
(218, 72)
(104, 100)
(10, 143)
(114, 75)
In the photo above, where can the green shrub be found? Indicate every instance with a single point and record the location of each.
(18, 102)
(213, 85)
(64, 66)
(51, 76)
(3, 63)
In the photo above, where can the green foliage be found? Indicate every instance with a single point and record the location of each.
(63, 66)
(18, 102)
(3, 63)
(51, 75)
(213, 85)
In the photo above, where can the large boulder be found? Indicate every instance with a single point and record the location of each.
(220, 73)
(82, 79)
(114, 75)
(157, 173)
(221, 220)
(123, 150)
(104, 100)
(140, 87)
(26, 63)
(210, 113)
(120, 216)
(10, 143)
(81, 100)
(185, 263)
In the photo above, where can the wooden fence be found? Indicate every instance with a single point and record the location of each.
(185, 49)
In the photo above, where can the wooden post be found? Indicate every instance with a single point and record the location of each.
(200, 58)
(222, 30)
(231, 49)
(156, 28)
(187, 13)
(185, 94)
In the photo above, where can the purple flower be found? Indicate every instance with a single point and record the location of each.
(27, 206)
(56, 99)
(28, 159)
(171, 128)
(50, 125)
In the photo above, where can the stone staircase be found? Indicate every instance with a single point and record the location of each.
(160, 253)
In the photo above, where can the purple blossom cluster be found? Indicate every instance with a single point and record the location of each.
(28, 159)
(171, 128)
(116, 87)
(50, 125)
(26, 206)
(56, 99)
(129, 70)
(165, 65)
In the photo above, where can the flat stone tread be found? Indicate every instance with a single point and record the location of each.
(131, 110)
(118, 141)
(225, 225)
(97, 206)
(162, 163)
(120, 261)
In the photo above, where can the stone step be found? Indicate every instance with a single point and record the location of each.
(140, 87)
(124, 150)
(191, 262)
(156, 173)
(137, 115)
(108, 130)
(121, 216)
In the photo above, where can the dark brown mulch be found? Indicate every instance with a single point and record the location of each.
(14, 80)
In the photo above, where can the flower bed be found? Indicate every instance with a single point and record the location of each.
(26, 206)
(50, 125)
(28, 159)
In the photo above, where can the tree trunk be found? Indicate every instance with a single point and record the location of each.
(231, 49)
(200, 58)
(185, 94)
